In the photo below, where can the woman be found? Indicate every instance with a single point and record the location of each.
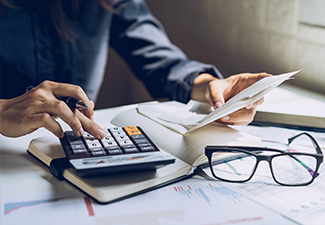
(60, 48)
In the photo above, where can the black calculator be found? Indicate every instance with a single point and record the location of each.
(124, 149)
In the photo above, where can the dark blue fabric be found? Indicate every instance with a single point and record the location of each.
(32, 51)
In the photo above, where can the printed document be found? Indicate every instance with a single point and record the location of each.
(187, 118)
(305, 204)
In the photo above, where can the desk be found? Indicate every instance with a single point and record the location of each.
(22, 175)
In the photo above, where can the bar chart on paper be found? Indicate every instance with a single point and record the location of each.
(190, 202)
(205, 193)
(41, 207)
(193, 201)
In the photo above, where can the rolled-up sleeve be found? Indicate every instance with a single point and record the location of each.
(141, 41)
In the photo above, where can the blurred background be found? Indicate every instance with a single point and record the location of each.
(273, 36)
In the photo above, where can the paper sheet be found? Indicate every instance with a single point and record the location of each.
(303, 204)
(190, 202)
(187, 118)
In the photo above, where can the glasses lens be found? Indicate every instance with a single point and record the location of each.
(233, 166)
(294, 169)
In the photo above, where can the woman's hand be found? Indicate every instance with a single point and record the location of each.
(40, 106)
(207, 88)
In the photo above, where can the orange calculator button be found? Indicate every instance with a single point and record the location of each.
(132, 130)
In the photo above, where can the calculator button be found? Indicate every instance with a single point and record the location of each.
(94, 144)
(108, 138)
(79, 151)
(147, 149)
(122, 138)
(137, 136)
(77, 146)
(107, 144)
(129, 146)
(114, 151)
(98, 153)
(125, 142)
(141, 141)
(91, 140)
(77, 142)
(97, 149)
(112, 147)
(72, 136)
(114, 129)
(132, 130)
(130, 150)
(119, 133)
(145, 144)
(86, 135)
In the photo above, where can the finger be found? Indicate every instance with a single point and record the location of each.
(90, 126)
(216, 91)
(255, 104)
(91, 105)
(58, 108)
(69, 90)
(45, 120)
(240, 117)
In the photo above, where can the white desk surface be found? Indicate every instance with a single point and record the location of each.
(21, 173)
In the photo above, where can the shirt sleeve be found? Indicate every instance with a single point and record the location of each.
(141, 41)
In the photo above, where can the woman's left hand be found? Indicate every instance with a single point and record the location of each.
(207, 88)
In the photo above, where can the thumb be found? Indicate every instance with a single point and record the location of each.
(215, 93)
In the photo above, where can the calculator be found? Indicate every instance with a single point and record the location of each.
(124, 149)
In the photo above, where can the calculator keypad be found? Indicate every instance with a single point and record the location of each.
(118, 140)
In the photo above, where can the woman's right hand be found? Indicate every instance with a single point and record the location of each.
(40, 106)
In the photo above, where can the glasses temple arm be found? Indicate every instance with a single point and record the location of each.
(317, 147)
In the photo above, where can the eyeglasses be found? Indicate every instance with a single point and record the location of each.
(289, 168)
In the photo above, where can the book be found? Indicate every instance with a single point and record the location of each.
(292, 107)
(186, 147)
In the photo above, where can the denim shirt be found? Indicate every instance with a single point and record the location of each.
(32, 51)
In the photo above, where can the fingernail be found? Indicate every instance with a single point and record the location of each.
(81, 131)
(226, 118)
(101, 133)
(218, 105)
(92, 117)
(61, 134)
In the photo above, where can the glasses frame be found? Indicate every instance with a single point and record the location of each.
(209, 150)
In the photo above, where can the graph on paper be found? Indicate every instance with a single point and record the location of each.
(190, 202)
(41, 207)
(12, 206)
(206, 192)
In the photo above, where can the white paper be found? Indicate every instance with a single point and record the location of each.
(190, 202)
(185, 118)
(304, 204)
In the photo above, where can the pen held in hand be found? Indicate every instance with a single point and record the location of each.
(74, 103)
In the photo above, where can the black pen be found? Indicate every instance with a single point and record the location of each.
(74, 103)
